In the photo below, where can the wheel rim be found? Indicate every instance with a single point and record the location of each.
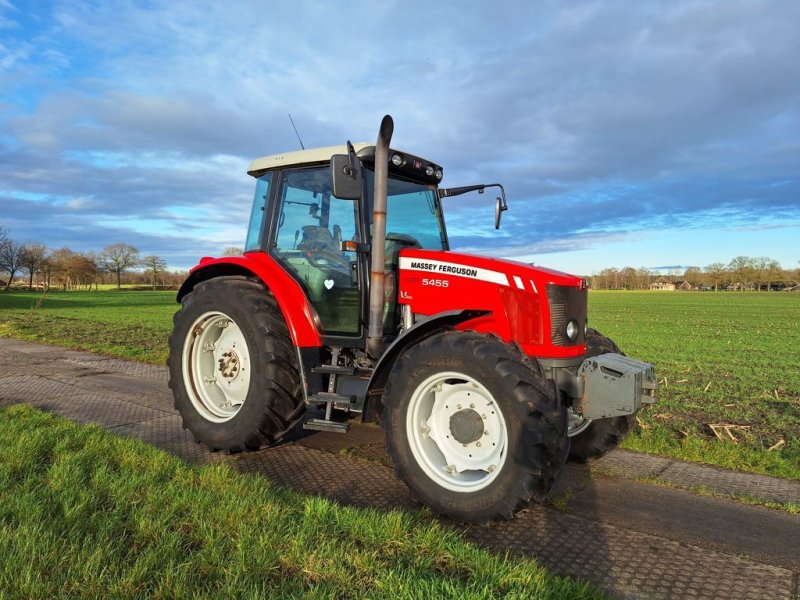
(577, 423)
(457, 432)
(216, 366)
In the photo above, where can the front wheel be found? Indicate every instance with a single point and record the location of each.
(474, 428)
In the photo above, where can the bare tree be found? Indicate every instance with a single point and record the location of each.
(742, 267)
(767, 270)
(10, 256)
(232, 251)
(693, 276)
(33, 258)
(716, 273)
(155, 265)
(118, 258)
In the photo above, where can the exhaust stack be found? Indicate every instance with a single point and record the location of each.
(376, 299)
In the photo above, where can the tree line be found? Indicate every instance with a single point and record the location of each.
(741, 273)
(67, 269)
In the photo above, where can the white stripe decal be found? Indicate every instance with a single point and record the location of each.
(533, 285)
(519, 283)
(439, 267)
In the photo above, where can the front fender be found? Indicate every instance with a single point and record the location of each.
(424, 329)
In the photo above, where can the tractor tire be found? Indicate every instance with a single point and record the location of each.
(595, 438)
(474, 428)
(233, 367)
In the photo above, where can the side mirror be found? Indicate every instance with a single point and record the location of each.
(500, 207)
(346, 175)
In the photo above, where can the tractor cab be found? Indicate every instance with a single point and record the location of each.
(323, 240)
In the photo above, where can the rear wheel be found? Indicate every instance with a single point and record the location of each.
(474, 428)
(592, 439)
(233, 368)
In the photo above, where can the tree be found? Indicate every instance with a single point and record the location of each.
(232, 251)
(155, 265)
(118, 258)
(693, 276)
(767, 270)
(10, 256)
(742, 269)
(716, 274)
(33, 258)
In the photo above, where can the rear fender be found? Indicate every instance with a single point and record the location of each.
(442, 322)
(300, 317)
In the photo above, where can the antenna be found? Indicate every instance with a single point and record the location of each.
(295, 132)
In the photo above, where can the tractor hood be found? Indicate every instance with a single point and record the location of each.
(528, 305)
(498, 271)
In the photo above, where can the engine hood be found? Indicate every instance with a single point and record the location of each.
(499, 271)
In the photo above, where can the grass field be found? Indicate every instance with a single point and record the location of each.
(724, 359)
(87, 514)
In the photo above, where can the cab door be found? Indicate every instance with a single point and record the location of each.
(309, 224)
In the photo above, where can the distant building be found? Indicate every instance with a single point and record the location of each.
(663, 284)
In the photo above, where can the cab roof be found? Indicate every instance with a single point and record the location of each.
(305, 157)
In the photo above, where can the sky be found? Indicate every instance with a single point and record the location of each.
(644, 134)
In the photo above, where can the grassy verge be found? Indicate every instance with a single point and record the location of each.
(84, 513)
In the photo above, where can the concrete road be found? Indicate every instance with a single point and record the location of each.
(604, 524)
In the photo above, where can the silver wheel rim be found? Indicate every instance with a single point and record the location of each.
(577, 423)
(454, 465)
(216, 366)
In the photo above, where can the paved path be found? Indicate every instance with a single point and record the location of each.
(603, 523)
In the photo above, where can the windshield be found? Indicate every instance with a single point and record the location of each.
(412, 211)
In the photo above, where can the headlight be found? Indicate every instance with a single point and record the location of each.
(572, 330)
(429, 171)
(397, 160)
(438, 173)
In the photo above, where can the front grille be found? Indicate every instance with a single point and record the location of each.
(566, 304)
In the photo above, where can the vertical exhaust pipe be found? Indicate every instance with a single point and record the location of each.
(376, 299)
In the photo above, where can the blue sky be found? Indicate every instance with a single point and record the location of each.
(641, 134)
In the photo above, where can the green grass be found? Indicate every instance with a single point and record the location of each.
(725, 356)
(730, 358)
(133, 325)
(84, 513)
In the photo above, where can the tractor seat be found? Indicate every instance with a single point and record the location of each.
(316, 239)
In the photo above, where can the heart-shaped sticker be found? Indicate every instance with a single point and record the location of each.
(328, 284)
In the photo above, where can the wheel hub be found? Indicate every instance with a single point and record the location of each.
(466, 426)
(229, 365)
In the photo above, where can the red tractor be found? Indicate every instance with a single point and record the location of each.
(483, 372)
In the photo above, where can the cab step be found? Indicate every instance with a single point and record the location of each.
(325, 425)
(333, 370)
(331, 398)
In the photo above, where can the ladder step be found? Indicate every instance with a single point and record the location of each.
(333, 370)
(323, 425)
(327, 397)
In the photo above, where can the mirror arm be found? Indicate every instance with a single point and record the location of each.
(351, 153)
